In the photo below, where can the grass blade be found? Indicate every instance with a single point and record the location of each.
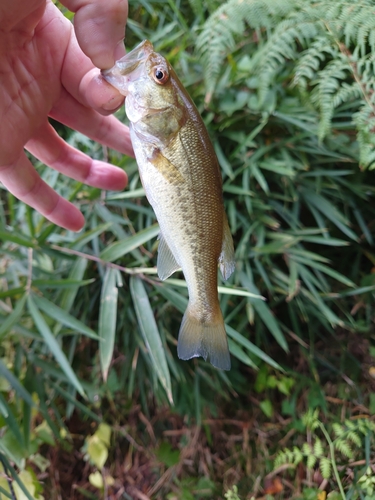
(64, 317)
(107, 319)
(53, 345)
(120, 248)
(265, 313)
(13, 317)
(89, 235)
(240, 339)
(15, 384)
(76, 273)
(150, 333)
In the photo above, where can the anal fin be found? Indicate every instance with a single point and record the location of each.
(166, 262)
(226, 259)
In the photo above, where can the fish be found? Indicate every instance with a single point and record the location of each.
(181, 176)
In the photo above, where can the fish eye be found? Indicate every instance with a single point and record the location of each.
(160, 75)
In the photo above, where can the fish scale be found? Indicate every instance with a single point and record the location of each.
(181, 176)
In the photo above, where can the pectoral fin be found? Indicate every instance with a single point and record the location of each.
(165, 167)
(226, 259)
(166, 262)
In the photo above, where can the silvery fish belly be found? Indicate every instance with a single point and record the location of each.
(181, 176)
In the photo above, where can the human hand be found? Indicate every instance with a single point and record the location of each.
(44, 72)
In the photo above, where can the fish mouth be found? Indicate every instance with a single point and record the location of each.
(129, 67)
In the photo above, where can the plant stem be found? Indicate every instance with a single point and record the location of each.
(332, 453)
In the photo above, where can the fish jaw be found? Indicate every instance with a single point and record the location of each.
(129, 68)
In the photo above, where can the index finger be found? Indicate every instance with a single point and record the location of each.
(100, 29)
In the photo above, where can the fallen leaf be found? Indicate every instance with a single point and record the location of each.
(273, 486)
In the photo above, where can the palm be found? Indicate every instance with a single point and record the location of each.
(30, 87)
(43, 73)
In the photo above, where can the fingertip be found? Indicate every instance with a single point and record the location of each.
(99, 94)
(100, 29)
(65, 215)
(107, 177)
(76, 223)
(122, 180)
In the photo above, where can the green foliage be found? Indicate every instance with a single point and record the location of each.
(326, 47)
(349, 442)
(232, 494)
(286, 90)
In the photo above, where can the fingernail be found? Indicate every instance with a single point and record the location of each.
(119, 50)
(114, 103)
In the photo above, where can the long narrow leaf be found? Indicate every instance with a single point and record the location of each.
(240, 339)
(150, 333)
(53, 345)
(13, 317)
(265, 313)
(15, 384)
(55, 312)
(76, 273)
(89, 235)
(11, 420)
(107, 319)
(120, 248)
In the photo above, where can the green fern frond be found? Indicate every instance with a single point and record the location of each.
(298, 455)
(338, 429)
(343, 446)
(285, 456)
(347, 436)
(365, 425)
(311, 59)
(324, 94)
(325, 466)
(306, 449)
(318, 448)
(311, 419)
(350, 425)
(281, 47)
(218, 35)
(311, 461)
(331, 46)
(354, 438)
(280, 459)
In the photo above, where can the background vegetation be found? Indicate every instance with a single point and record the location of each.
(94, 402)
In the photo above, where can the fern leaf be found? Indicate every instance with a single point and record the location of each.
(311, 461)
(298, 455)
(227, 23)
(306, 449)
(343, 446)
(354, 438)
(325, 466)
(330, 44)
(338, 429)
(318, 448)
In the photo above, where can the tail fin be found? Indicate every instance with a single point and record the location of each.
(206, 340)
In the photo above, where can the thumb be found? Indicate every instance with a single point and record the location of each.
(100, 29)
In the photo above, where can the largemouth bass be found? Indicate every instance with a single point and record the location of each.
(181, 176)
